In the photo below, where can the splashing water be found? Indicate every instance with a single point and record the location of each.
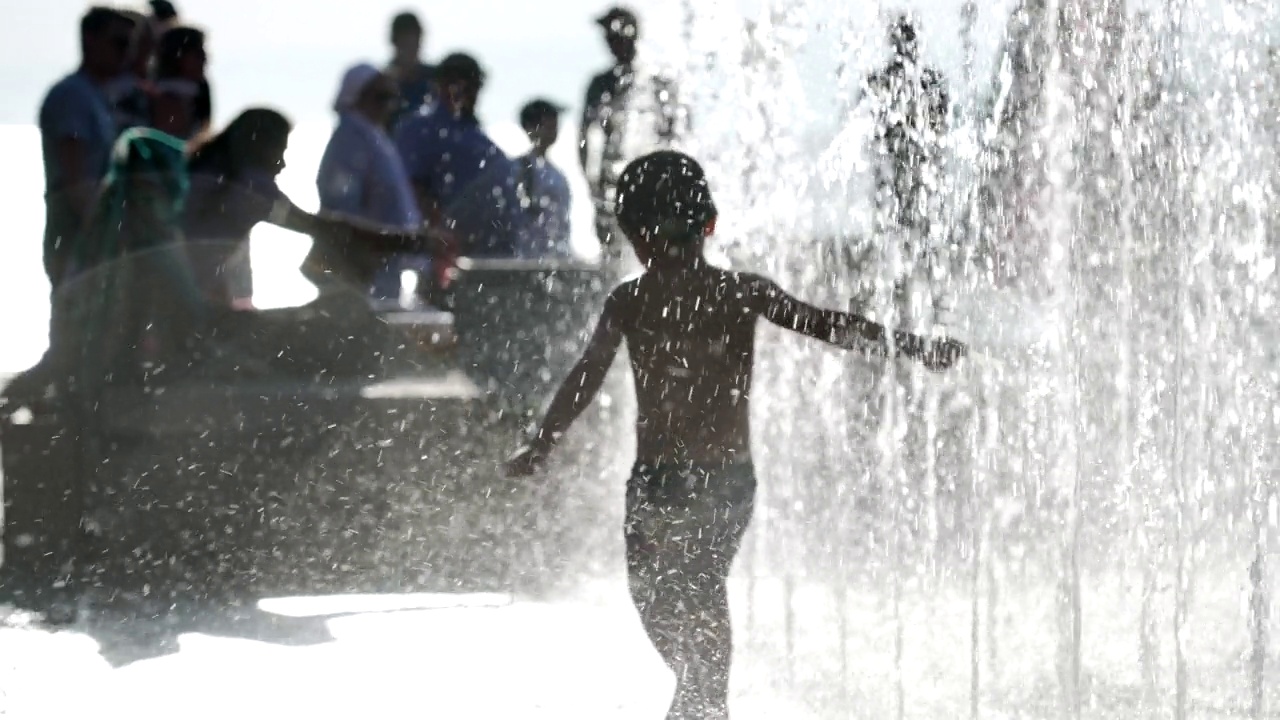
(1077, 522)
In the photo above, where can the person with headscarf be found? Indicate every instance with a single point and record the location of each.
(233, 179)
(131, 260)
(130, 294)
(362, 176)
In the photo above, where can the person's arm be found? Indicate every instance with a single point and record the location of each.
(590, 108)
(577, 391)
(848, 330)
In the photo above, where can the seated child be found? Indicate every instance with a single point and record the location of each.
(690, 333)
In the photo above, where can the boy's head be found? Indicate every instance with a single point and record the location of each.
(541, 121)
(664, 205)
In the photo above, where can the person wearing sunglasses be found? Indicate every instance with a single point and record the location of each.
(362, 175)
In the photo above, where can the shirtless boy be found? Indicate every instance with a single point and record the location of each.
(690, 333)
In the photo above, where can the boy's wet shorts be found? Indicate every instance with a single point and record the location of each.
(689, 513)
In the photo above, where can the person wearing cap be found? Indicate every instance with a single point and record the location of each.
(415, 77)
(545, 197)
(362, 176)
(629, 110)
(464, 182)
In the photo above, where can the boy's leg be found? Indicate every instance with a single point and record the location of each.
(705, 582)
(658, 606)
(678, 565)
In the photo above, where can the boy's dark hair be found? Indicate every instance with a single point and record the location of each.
(173, 45)
(536, 112)
(665, 192)
(97, 20)
(460, 67)
(403, 23)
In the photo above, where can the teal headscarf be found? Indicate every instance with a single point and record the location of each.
(142, 199)
(133, 243)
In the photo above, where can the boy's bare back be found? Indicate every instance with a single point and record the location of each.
(690, 334)
(690, 331)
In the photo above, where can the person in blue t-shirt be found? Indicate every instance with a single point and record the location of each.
(415, 77)
(546, 199)
(77, 130)
(361, 174)
(463, 180)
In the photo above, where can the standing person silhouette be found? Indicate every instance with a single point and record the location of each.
(910, 105)
(690, 331)
(77, 132)
(629, 110)
(462, 179)
(416, 78)
(546, 195)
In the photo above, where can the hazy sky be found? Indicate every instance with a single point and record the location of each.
(290, 53)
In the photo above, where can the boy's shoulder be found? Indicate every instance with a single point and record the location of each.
(722, 281)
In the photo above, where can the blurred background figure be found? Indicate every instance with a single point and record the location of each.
(415, 78)
(131, 92)
(362, 176)
(135, 293)
(77, 130)
(233, 188)
(910, 105)
(164, 16)
(462, 179)
(546, 193)
(630, 109)
(182, 106)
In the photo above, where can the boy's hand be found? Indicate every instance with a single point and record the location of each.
(527, 461)
(941, 354)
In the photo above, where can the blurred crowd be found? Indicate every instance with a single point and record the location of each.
(409, 180)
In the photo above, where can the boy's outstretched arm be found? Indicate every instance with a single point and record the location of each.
(575, 394)
(849, 330)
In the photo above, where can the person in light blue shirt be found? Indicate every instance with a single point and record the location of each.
(545, 191)
(77, 131)
(361, 173)
(463, 180)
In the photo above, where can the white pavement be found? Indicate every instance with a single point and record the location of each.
(410, 656)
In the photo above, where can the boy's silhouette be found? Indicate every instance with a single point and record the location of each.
(690, 332)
